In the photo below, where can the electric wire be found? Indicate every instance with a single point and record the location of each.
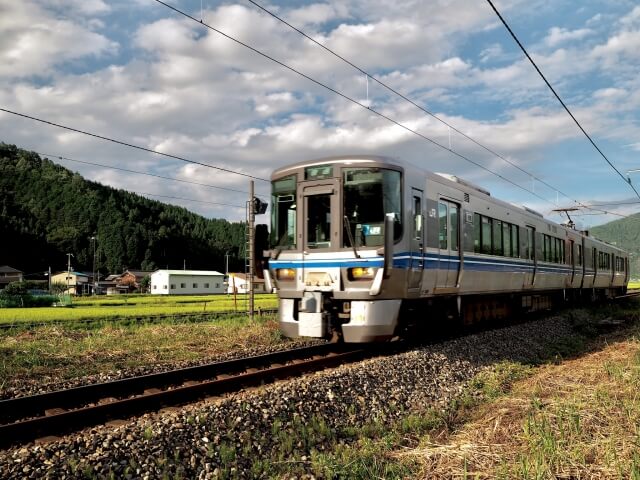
(131, 145)
(360, 104)
(560, 99)
(407, 99)
(188, 199)
(350, 99)
(60, 157)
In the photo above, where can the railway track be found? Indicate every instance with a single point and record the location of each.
(184, 317)
(56, 413)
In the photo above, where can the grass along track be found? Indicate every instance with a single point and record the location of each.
(52, 355)
(138, 306)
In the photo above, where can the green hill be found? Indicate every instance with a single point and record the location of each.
(47, 210)
(624, 233)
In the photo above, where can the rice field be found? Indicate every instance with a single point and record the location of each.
(124, 306)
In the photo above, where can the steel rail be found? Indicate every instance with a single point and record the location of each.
(24, 419)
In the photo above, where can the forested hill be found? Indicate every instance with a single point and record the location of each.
(624, 233)
(47, 211)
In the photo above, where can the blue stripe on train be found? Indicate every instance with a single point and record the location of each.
(431, 262)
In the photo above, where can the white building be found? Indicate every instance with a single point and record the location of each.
(238, 282)
(186, 282)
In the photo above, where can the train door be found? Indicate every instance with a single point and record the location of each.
(321, 222)
(530, 256)
(449, 259)
(416, 266)
(594, 264)
(572, 260)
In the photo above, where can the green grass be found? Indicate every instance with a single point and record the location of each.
(59, 352)
(134, 306)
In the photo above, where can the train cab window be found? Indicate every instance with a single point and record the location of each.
(369, 194)
(319, 221)
(283, 213)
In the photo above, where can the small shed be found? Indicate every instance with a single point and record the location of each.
(239, 283)
(9, 274)
(79, 283)
(186, 282)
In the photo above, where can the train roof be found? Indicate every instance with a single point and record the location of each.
(461, 183)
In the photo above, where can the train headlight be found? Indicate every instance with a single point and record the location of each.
(362, 273)
(285, 274)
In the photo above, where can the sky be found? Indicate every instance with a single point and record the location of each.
(141, 73)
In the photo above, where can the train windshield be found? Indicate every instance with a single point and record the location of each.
(369, 194)
(283, 213)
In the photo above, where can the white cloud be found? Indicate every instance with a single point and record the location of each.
(558, 35)
(33, 40)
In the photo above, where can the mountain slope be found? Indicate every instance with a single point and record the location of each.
(47, 211)
(624, 233)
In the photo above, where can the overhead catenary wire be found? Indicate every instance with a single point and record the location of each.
(188, 199)
(60, 157)
(348, 98)
(360, 104)
(560, 99)
(368, 76)
(130, 145)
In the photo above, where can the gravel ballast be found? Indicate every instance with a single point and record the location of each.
(288, 420)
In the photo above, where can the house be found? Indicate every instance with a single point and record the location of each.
(130, 280)
(238, 282)
(79, 283)
(186, 282)
(9, 274)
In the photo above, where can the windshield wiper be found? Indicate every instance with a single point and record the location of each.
(347, 226)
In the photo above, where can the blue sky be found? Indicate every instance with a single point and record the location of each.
(138, 72)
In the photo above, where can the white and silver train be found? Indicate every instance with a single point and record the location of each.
(364, 248)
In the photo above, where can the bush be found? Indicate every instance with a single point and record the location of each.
(16, 295)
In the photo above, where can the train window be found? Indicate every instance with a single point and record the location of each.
(486, 235)
(497, 237)
(506, 236)
(530, 248)
(477, 229)
(283, 213)
(453, 218)
(579, 254)
(442, 232)
(319, 221)
(417, 217)
(369, 194)
(515, 241)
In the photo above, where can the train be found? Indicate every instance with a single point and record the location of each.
(366, 248)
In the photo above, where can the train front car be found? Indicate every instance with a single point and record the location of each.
(333, 228)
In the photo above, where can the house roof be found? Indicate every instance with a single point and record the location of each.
(72, 272)
(243, 276)
(8, 269)
(191, 272)
(138, 273)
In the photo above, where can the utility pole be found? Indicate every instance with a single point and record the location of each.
(95, 283)
(69, 255)
(49, 279)
(252, 246)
